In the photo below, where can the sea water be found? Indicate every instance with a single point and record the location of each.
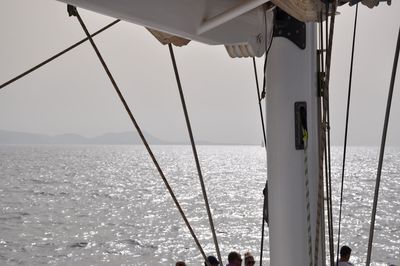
(107, 205)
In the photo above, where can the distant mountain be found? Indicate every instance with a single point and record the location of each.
(129, 137)
(123, 138)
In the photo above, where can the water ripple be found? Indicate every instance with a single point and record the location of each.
(106, 205)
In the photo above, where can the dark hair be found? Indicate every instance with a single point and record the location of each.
(233, 256)
(345, 251)
(212, 260)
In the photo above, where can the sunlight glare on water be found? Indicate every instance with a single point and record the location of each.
(107, 205)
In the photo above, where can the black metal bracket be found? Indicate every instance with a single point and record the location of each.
(288, 27)
(300, 123)
(354, 2)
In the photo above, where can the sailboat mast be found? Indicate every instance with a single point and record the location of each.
(292, 106)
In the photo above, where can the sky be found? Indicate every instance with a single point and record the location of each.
(73, 94)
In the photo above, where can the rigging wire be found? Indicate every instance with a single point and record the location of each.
(265, 145)
(320, 191)
(58, 55)
(329, 173)
(259, 104)
(260, 97)
(382, 150)
(325, 132)
(196, 157)
(346, 132)
(267, 48)
(329, 27)
(73, 12)
(330, 44)
(264, 91)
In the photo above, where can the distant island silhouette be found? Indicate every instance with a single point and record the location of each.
(8, 137)
(121, 138)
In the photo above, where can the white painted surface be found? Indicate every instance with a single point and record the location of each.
(185, 18)
(229, 14)
(291, 78)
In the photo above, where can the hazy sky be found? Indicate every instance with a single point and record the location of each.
(73, 94)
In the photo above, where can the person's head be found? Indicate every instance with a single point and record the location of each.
(345, 252)
(180, 263)
(234, 258)
(212, 260)
(249, 259)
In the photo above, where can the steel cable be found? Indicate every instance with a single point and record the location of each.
(57, 55)
(346, 132)
(73, 12)
(382, 150)
(196, 157)
(265, 145)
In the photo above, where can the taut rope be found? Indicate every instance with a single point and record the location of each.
(196, 157)
(346, 131)
(74, 12)
(382, 150)
(57, 55)
(265, 145)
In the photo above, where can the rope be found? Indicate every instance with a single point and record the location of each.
(259, 104)
(382, 149)
(196, 157)
(57, 55)
(329, 42)
(328, 185)
(260, 97)
(73, 12)
(321, 152)
(263, 93)
(265, 145)
(325, 132)
(326, 120)
(307, 183)
(346, 131)
(320, 197)
(328, 173)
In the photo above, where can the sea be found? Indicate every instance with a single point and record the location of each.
(107, 205)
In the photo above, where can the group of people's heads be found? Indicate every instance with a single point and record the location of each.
(234, 259)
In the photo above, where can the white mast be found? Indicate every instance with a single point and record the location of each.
(292, 77)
